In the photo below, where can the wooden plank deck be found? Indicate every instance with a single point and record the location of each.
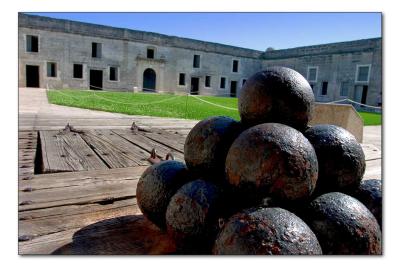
(88, 212)
(67, 151)
(95, 211)
(98, 149)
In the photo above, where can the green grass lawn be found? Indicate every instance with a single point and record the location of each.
(371, 118)
(160, 105)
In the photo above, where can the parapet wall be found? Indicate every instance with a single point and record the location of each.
(341, 115)
(74, 27)
(366, 45)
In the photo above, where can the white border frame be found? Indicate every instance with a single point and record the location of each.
(357, 71)
(316, 73)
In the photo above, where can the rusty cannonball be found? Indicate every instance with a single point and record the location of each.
(266, 231)
(156, 186)
(272, 159)
(343, 225)
(370, 194)
(277, 94)
(192, 216)
(341, 159)
(208, 143)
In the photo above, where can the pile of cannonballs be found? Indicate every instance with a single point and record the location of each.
(269, 184)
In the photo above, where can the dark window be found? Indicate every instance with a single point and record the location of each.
(113, 74)
(243, 82)
(150, 53)
(324, 90)
(223, 81)
(51, 69)
(196, 61)
(96, 50)
(32, 43)
(208, 81)
(182, 79)
(235, 66)
(78, 71)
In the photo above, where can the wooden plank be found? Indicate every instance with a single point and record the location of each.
(77, 188)
(83, 178)
(46, 221)
(123, 235)
(67, 151)
(88, 228)
(27, 145)
(177, 137)
(148, 144)
(169, 142)
(110, 154)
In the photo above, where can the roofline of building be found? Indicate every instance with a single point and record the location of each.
(362, 45)
(103, 31)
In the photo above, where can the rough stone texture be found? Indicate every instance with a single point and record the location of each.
(337, 64)
(279, 95)
(67, 42)
(272, 159)
(192, 216)
(370, 194)
(343, 225)
(207, 145)
(341, 160)
(266, 231)
(156, 186)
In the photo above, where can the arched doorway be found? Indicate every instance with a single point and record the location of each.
(149, 80)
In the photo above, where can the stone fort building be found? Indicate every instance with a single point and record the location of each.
(57, 53)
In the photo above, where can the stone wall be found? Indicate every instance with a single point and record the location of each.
(67, 42)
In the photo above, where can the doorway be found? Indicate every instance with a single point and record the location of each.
(32, 76)
(364, 94)
(149, 80)
(96, 79)
(233, 88)
(194, 86)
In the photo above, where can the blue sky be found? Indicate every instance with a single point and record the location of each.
(250, 30)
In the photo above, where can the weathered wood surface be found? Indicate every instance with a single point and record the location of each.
(148, 144)
(95, 211)
(74, 219)
(115, 151)
(27, 144)
(96, 149)
(64, 151)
